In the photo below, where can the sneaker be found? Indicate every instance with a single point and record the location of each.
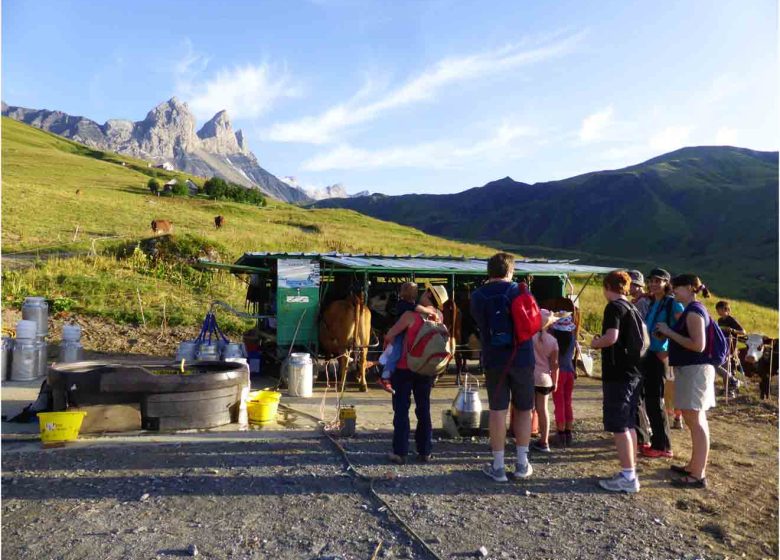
(425, 458)
(642, 446)
(498, 475)
(677, 424)
(522, 471)
(536, 446)
(620, 483)
(569, 438)
(560, 439)
(386, 385)
(651, 453)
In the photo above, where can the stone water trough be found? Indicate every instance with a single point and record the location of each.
(155, 396)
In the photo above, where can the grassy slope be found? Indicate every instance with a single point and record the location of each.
(41, 173)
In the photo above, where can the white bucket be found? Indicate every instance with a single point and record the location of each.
(25, 330)
(300, 375)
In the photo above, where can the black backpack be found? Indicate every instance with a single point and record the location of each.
(634, 336)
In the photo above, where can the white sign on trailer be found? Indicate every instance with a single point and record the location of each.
(298, 273)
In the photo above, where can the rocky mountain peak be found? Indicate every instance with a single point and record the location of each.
(217, 135)
(168, 130)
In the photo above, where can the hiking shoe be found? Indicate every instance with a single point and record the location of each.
(677, 424)
(425, 458)
(498, 475)
(536, 446)
(397, 459)
(651, 453)
(386, 385)
(522, 471)
(690, 481)
(620, 483)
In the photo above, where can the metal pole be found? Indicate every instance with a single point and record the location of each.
(583, 287)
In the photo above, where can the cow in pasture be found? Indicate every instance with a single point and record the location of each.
(219, 221)
(162, 226)
(760, 358)
(345, 326)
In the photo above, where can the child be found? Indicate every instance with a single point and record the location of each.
(731, 328)
(407, 301)
(563, 331)
(545, 378)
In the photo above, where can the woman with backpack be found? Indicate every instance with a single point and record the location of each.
(406, 383)
(655, 364)
(694, 374)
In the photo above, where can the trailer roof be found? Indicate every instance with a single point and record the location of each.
(435, 264)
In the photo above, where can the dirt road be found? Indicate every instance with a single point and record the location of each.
(292, 497)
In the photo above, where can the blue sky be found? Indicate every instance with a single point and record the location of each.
(413, 96)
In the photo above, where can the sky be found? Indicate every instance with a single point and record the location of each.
(414, 96)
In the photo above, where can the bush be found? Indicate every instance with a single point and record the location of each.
(180, 188)
(154, 185)
(218, 188)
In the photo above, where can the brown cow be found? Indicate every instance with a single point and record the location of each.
(219, 221)
(162, 226)
(346, 325)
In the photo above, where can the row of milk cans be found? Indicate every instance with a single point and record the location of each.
(27, 353)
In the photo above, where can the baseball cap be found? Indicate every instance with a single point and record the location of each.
(637, 278)
(660, 273)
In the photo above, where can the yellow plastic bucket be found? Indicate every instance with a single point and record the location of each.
(60, 426)
(262, 406)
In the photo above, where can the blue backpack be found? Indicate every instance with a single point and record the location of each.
(716, 347)
(500, 319)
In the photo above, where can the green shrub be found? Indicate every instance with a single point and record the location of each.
(180, 188)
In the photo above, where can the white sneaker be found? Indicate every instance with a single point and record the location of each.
(499, 475)
(522, 471)
(620, 483)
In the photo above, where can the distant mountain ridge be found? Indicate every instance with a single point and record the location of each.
(712, 210)
(168, 134)
(331, 191)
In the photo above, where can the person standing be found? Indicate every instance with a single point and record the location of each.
(545, 378)
(619, 378)
(732, 329)
(655, 365)
(694, 375)
(509, 367)
(406, 383)
(641, 301)
(563, 331)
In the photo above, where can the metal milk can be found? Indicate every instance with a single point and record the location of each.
(467, 407)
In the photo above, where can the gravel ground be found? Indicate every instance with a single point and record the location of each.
(295, 499)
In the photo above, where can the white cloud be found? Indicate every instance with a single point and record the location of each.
(726, 136)
(247, 91)
(324, 128)
(670, 138)
(595, 126)
(501, 145)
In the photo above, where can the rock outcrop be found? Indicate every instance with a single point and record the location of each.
(167, 134)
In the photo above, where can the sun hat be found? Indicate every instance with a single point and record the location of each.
(564, 324)
(549, 318)
(637, 278)
(660, 273)
(439, 294)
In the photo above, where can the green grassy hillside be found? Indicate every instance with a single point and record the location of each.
(41, 210)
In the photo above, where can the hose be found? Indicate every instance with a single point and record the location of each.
(354, 472)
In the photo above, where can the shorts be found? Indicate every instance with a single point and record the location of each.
(620, 403)
(543, 390)
(515, 384)
(695, 387)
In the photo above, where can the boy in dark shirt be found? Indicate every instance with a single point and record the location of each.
(731, 328)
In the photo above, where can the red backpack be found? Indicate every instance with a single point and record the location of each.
(526, 316)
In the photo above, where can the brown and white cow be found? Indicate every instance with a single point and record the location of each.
(219, 221)
(162, 226)
(346, 326)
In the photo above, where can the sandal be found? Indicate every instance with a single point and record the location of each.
(679, 469)
(690, 481)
